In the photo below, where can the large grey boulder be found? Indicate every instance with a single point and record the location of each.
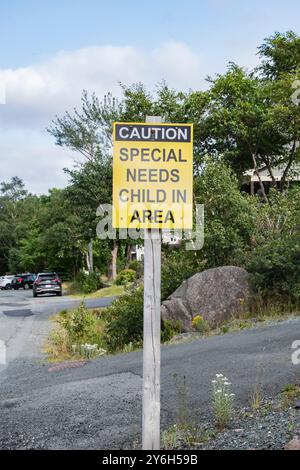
(217, 294)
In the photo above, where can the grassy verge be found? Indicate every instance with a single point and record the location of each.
(119, 328)
(111, 291)
(58, 347)
(237, 324)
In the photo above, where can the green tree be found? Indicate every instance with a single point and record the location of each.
(280, 54)
(253, 123)
(229, 215)
(12, 194)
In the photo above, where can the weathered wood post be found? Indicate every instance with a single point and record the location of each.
(151, 342)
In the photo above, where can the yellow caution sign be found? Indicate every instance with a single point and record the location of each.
(152, 175)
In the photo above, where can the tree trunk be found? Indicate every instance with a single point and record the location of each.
(87, 260)
(290, 162)
(112, 267)
(128, 255)
(259, 178)
(269, 168)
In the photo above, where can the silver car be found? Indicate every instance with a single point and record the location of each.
(47, 283)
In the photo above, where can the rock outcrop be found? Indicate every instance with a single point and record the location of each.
(217, 294)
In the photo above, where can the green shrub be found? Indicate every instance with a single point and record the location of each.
(230, 215)
(124, 322)
(125, 277)
(178, 265)
(137, 266)
(273, 259)
(275, 268)
(200, 324)
(87, 283)
(81, 325)
(169, 329)
(76, 333)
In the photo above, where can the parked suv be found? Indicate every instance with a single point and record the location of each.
(47, 283)
(5, 282)
(23, 281)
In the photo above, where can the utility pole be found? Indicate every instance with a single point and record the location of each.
(151, 341)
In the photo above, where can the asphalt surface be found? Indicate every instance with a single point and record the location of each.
(24, 320)
(98, 405)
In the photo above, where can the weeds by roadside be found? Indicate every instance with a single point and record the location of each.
(290, 393)
(186, 432)
(236, 324)
(222, 401)
(256, 393)
(76, 334)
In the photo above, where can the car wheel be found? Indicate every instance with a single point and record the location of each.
(35, 294)
(59, 294)
(8, 287)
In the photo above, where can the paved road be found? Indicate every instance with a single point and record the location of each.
(24, 319)
(98, 405)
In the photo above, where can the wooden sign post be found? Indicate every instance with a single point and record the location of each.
(151, 340)
(152, 190)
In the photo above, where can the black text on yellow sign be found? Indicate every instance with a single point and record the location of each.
(152, 175)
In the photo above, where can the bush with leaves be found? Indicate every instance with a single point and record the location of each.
(200, 325)
(229, 214)
(169, 329)
(79, 324)
(178, 265)
(82, 325)
(126, 276)
(88, 283)
(275, 268)
(274, 257)
(124, 322)
(137, 266)
(78, 332)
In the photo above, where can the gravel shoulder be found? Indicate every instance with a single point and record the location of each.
(98, 405)
(270, 427)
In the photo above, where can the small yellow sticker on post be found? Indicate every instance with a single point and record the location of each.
(152, 175)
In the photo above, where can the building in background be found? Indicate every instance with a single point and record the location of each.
(251, 181)
(168, 238)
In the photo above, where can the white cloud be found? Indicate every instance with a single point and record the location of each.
(179, 65)
(35, 94)
(33, 156)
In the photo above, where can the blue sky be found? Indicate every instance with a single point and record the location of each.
(31, 30)
(51, 50)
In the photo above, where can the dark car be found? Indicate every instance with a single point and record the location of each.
(23, 281)
(47, 283)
